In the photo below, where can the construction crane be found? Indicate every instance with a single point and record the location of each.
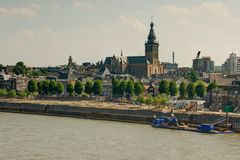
(198, 55)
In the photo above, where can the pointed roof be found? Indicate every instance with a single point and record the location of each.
(151, 35)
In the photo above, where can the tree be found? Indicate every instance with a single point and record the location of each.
(22, 94)
(45, 87)
(70, 89)
(59, 88)
(40, 87)
(122, 88)
(89, 87)
(12, 94)
(183, 89)
(78, 87)
(97, 87)
(32, 86)
(52, 87)
(193, 76)
(212, 86)
(201, 90)
(138, 88)
(164, 87)
(130, 88)
(191, 90)
(173, 88)
(116, 84)
(20, 68)
(3, 92)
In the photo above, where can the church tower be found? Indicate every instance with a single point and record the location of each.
(151, 47)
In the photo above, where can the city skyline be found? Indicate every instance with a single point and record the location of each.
(45, 33)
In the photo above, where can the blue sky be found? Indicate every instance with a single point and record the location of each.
(46, 32)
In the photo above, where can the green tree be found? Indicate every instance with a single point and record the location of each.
(40, 87)
(164, 87)
(52, 87)
(212, 86)
(45, 87)
(78, 87)
(3, 92)
(97, 87)
(59, 88)
(32, 86)
(12, 94)
(70, 89)
(201, 90)
(183, 89)
(122, 88)
(191, 90)
(20, 68)
(173, 88)
(88, 87)
(130, 88)
(116, 84)
(193, 76)
(138, 88)
(22, 94)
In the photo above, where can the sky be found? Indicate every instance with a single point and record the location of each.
(46, 32)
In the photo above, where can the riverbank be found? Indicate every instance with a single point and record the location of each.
(109, 111)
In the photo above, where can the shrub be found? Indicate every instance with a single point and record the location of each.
(12, 93)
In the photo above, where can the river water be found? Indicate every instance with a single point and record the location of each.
(34, 137)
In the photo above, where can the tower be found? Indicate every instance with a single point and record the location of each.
(151, 47)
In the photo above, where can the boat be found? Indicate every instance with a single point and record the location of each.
(172, 123)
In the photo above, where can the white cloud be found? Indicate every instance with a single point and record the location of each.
(83, 4)
(28, 11)
(133, 22)
(210, 8)
(45, 32)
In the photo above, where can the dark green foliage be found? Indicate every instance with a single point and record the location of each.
(191, 90)
(78, 87)
(52, 87)
(173, 88)
(12, 94)
(89, 87)
(164, 87)
(20, 68)
(32, 86)
(70, 89)
(22, 94)
(40, 87)
(201, 90)
(115, 86)
(130, 88)
(138, 88)
(45, 87)
(59, 88)
(3, 93)
(183, 89)
(97, 88)
(122, 87)
(212, 86)
(193, 76)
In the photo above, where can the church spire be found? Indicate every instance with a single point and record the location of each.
(151, 36)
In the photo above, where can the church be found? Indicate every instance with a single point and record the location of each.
(139, 66)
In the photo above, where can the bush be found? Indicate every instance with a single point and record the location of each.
(141, 99)
(3, 93)
(84, 95)
(149, 100)
(12, 93)
(22, 94)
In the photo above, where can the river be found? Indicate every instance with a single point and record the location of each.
(35, 137)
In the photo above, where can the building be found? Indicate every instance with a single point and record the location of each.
(139, 66)
(232, 65)
(204, 64)
(227, 95)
